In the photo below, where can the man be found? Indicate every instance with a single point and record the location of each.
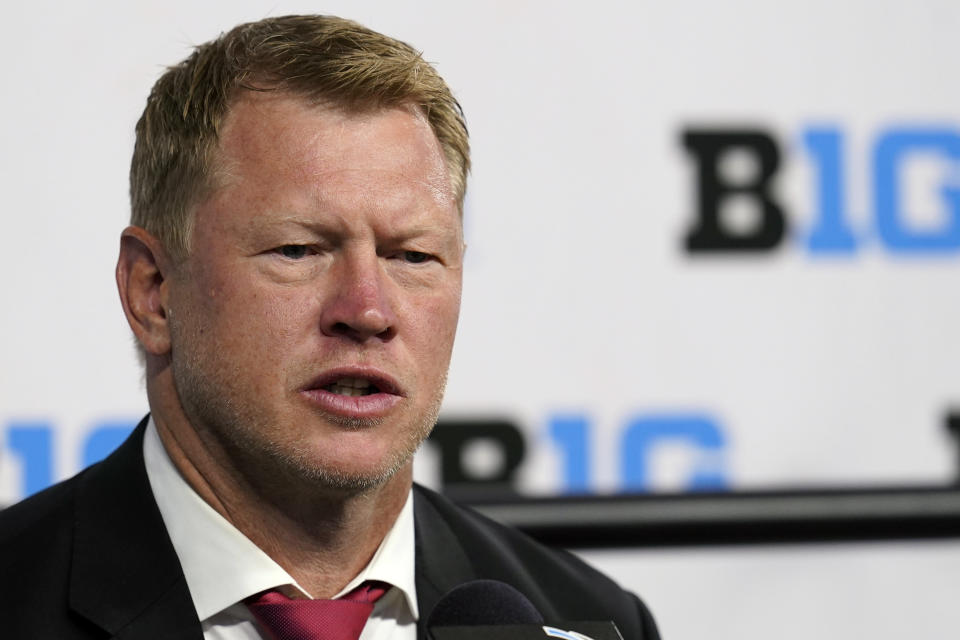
(292, 276)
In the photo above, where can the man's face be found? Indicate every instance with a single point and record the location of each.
(313, 321)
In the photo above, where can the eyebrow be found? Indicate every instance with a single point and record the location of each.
(327, 226)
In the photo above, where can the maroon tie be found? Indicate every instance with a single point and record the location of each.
(340, 619)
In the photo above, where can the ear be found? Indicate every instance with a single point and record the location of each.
(142, 271)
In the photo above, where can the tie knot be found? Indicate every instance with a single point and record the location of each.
(339, 619)
(368, 591)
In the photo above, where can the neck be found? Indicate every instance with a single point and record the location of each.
(323, 542)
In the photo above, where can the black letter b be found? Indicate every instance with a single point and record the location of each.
(709, 232)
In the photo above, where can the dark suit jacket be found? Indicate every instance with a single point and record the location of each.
(90, 558)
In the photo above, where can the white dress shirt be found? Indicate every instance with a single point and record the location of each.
(222, 566)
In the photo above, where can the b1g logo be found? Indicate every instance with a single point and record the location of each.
(644, 438)
(892, 225)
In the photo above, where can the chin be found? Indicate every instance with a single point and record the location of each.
(350, 480)
(350, 476)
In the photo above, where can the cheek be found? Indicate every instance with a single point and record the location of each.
(249, 320)
(273, 321)
(435, 323)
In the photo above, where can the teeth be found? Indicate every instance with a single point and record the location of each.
(350, 387)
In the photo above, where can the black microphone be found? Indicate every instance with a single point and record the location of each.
(492, 610)
(481, 602)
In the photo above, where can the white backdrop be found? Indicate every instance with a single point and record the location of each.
(801, 366)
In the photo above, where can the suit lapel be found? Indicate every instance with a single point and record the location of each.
(441, 561)
(126, 576)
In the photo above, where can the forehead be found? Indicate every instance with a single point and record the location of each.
(270, 133)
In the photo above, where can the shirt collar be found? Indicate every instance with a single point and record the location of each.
(223, 567)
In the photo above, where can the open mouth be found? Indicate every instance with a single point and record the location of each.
(354, 392)
(353, 387)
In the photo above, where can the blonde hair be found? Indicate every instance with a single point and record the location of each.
(320, 58)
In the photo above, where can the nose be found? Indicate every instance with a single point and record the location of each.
(359, 308)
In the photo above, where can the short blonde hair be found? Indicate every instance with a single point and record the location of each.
(321, 58)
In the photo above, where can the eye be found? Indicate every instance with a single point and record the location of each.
(294, 251)
(415, 257)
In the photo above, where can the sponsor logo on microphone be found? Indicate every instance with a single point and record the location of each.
(553, 632)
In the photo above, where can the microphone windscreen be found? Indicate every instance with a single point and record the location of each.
(483, 602)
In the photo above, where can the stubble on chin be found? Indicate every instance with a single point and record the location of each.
(236, 432)
(302, 464)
